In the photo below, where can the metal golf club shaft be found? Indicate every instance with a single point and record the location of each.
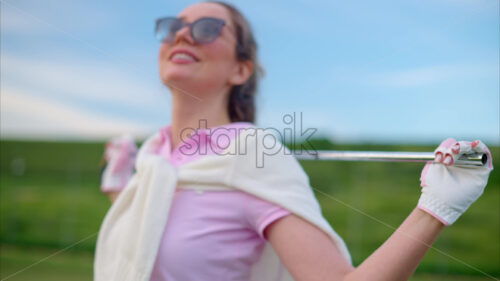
(477, 159)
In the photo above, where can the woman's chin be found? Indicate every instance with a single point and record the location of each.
(180, 81)
(178, 75)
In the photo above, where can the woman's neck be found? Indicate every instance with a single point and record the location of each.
(189, 112)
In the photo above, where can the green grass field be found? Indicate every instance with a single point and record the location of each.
(50, 199)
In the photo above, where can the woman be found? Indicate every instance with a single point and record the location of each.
(208, 61)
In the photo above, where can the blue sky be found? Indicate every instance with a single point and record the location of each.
(358, 71)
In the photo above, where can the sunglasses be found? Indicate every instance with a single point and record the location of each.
(203, 30)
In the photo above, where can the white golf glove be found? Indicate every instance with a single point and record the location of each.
(120, 157)
(447, 190)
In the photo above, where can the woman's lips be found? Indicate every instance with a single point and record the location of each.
(183, 57)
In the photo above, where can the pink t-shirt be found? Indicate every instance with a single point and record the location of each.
(211, 235)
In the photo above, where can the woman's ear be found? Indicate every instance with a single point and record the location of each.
(242, 72)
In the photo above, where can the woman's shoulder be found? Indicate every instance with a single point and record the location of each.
(252, 136)
(256, 144)
(259, 156)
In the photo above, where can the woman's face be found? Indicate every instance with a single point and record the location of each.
(213, 66)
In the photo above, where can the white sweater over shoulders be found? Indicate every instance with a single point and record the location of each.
(255, 162)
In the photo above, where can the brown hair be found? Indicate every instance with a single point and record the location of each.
(241, 105)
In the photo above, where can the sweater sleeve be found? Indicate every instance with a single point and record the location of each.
(261, 213)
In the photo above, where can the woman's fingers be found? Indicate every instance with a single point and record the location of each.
(462, 147)
(439, 157)
(450, 150)
(443, 153)
(456, 150)
(480, 147)
(448, 160)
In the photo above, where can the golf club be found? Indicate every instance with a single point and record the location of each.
(475, 159)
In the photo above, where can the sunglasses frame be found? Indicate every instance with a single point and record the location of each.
(221, 23)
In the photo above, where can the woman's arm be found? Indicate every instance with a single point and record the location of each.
(112, 195)
(310, 255)
(447, 192)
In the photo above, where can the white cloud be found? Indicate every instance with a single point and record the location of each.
(11, 21)
(83, 78)
(26, 116)
(37, 18)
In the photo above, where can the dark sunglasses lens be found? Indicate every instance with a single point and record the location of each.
(166, 29)
(206, 30)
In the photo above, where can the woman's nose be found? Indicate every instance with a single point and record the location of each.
(184, 34)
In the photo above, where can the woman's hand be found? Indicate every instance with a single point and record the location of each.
(120, 157)
(447, 190)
